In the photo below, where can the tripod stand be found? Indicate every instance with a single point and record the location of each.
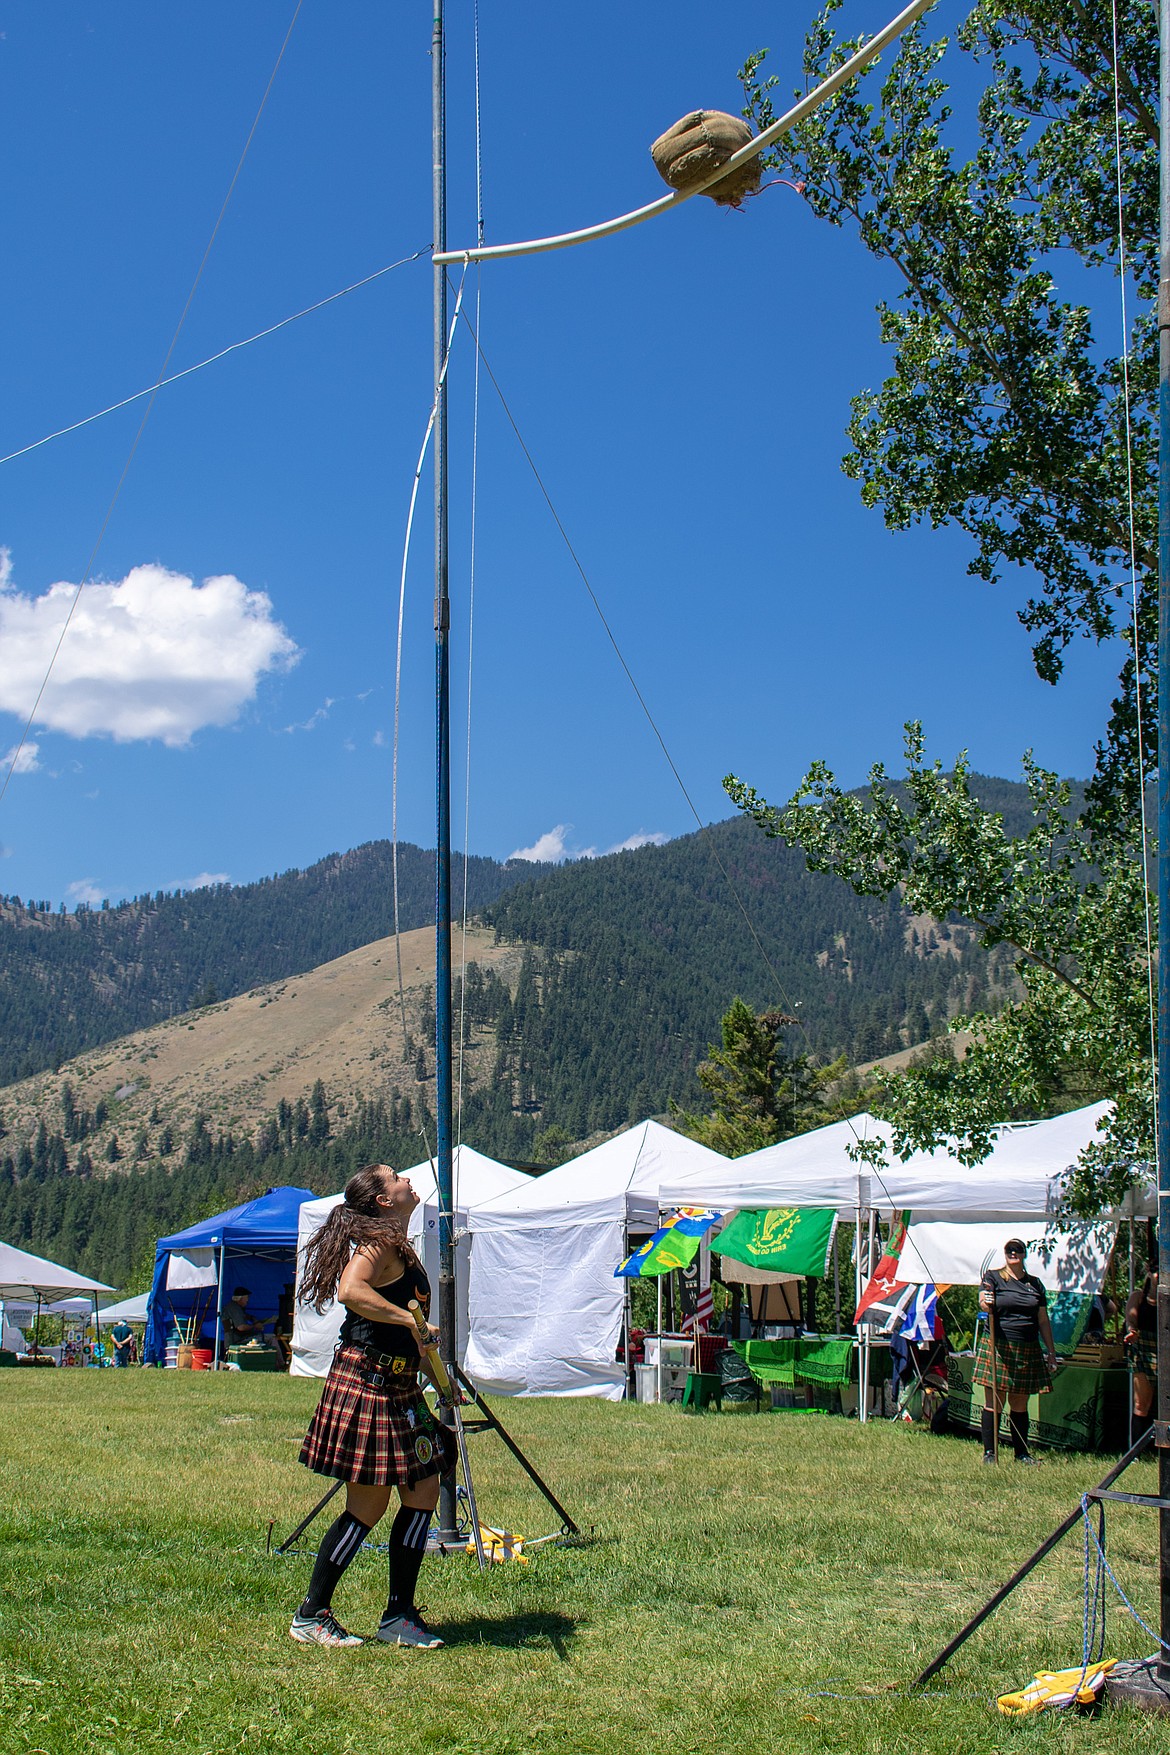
(487, 1422)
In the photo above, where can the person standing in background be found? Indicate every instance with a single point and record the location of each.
(1017, 1304)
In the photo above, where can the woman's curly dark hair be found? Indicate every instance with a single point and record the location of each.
(356, 1219)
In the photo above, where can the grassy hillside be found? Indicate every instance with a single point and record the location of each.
(69, 982)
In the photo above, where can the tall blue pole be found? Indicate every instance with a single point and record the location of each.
(443, 1070)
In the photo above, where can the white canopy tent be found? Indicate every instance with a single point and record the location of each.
(32, 1279)
(127, 1309)
(1019, 1181)
(476, 1179)
(29, 1284)
(546, 1310)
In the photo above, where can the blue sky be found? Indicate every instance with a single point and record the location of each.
(223, 702)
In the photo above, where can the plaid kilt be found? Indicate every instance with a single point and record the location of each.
(1020, 1366)
(373, 1428)
(1142, 1355)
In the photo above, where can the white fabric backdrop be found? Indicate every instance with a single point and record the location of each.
(546, 1319)
(953, 1255)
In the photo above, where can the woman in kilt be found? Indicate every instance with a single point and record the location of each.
(372, 1428)
(1017, 1305)
(1141, 1346)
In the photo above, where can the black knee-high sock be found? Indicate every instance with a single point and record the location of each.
(408, 1543)
(342, 1541)
(1141, 1425)
(1019, 1424)
(987, 1426)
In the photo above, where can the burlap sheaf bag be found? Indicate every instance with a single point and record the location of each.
(697, 145)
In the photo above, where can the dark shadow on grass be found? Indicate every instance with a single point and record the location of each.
(514, 1631)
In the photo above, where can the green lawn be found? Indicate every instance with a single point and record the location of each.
(751, 1583)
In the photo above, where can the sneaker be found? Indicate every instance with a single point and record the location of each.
(1029, 1461)
(989, 1456)
(321, 1629)
(407, 1630)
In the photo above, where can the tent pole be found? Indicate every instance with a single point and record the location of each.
(218, 1309)
(37, 1326)
(658, 1397)
(97, 1323)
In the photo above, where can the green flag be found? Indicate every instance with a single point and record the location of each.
(782, 1240)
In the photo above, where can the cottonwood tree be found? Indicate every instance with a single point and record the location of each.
(986, 175)
(984, 172)
(1072, 908)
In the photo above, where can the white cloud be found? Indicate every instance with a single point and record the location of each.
(549, 847)
(23, 756)
(314, 719)
(151, 656)
(552, 847)
(203, 882)
(85, 890)
(379, 740)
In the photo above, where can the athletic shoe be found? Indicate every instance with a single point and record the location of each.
(407, 1630)
(1029, 1461)
(321, 1629)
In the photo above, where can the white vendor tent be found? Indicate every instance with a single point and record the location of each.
(32, 1279)
(546, 1310)
(476, 1179)
(128, 1310)
(1019, 1181)
(30, 1283)
(810, 1170)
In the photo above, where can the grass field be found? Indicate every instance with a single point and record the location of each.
(751, 1583)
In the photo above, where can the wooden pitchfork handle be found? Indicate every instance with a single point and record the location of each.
(430, 1352)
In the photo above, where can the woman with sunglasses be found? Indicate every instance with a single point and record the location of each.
(1017, 1307)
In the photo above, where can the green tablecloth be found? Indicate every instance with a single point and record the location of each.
(828, 1363)
(1086, 1409)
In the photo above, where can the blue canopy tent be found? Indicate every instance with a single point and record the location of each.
(197, 1270)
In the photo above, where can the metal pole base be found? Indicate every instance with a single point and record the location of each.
(1138, 1684)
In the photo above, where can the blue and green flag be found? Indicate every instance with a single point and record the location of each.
(781, 1240)
(675, 1245)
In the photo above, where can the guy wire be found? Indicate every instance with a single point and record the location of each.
(433, 416)
(704, 828)
(213, 358)
(88, 568)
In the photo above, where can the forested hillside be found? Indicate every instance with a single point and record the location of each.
(628, 963)
(72, 981)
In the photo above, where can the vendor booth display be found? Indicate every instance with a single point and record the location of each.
(475, 1179)
(197, 1270)
(29, 1285)
(546, 1307)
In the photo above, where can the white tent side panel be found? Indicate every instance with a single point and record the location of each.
(548, 1310)
(953, 1254)
(314, 1331)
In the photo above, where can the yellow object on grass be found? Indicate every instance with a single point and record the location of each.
(1057, 1688)
(499, 1545)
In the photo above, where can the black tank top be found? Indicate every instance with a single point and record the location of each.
(391, 1337)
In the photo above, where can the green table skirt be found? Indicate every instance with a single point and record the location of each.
(1086, 1409)
(827, 1364)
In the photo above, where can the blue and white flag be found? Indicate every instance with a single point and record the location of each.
(920, 1316)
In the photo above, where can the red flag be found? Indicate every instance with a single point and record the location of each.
(885, 1288)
